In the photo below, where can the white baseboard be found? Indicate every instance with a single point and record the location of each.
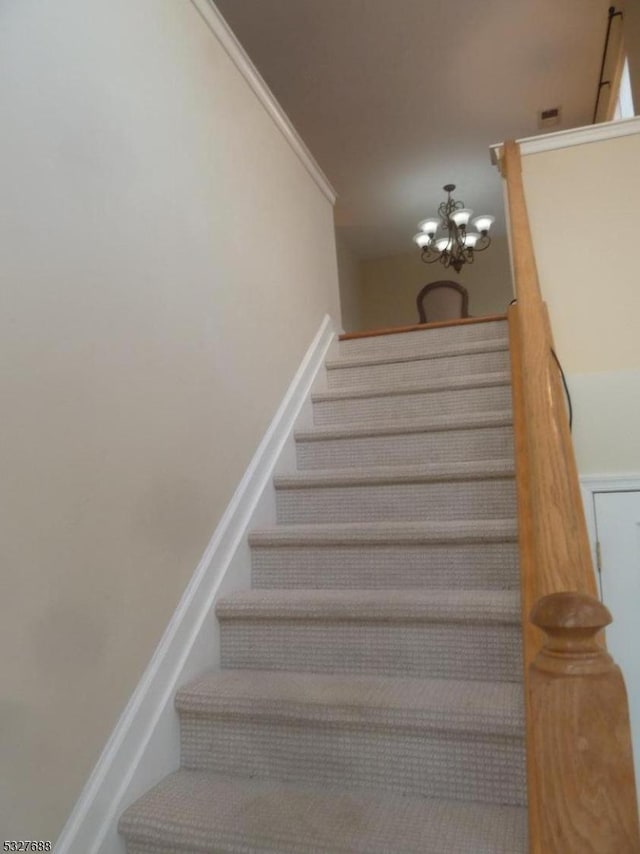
(145, 746)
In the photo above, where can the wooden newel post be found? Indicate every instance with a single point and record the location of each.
(582, 740)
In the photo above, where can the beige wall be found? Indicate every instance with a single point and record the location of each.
(350, 278)
(606, 421)
(583, 207)
(159, 288)
(390, 285)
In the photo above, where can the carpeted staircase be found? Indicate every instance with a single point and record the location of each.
(370, 697)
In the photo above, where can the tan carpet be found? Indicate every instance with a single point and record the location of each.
(370, 696)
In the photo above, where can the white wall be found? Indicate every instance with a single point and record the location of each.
(166, 260)
(606, 427)
(390, 285)
(583, 207)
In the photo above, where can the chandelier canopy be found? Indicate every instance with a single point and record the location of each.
(457, 246)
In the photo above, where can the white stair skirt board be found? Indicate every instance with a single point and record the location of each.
(145, 744)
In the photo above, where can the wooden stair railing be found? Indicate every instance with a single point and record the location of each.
(582, 795)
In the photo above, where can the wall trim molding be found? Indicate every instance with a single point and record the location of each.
(144, 746)
(570, 138)
(590, 484)
(611, 482)
(221, 30)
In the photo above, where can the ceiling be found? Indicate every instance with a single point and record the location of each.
(396, 98)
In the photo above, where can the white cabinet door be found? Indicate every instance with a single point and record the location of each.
(618, 531)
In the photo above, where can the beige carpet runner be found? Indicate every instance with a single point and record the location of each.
(370, 696)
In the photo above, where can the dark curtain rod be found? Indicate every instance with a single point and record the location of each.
(612, 14)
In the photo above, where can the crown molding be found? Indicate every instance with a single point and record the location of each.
(221, 30)
(570, 138)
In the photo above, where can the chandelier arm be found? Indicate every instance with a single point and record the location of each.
(458, 234)
(483, 243)
(429, 256)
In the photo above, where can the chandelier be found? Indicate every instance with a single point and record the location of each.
(457, 246)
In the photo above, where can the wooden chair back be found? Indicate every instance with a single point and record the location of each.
(442, 301)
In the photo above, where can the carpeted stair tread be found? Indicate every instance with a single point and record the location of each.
(392, 533)
(425, 339)
(411, 370)
(469, 606)
(369, 694)
(462, 349)
(195, 812)
(370, 494)
(370, 475)
(436, 385)
(382, 566)
(425, 633)
(445, 704)
(409, 403)
(471, 421)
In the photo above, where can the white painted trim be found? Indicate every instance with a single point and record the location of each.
(569, 138)
(590, 484)
(221, 30)
(144, 746)
(610, 482)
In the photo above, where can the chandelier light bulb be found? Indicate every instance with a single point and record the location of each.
(471, 238)
(462, 216)
(484, 222)
(442, 243)
(429, 226)
(422, 239)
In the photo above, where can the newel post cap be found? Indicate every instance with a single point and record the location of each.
(570, 611)
(572, 622)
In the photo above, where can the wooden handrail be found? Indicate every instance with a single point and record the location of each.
(555, 560)
(563, 556)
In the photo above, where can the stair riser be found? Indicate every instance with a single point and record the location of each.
(491, 566)
(372, 410)
(441, 650)
(422, 342)
(458, 500)
(413, 373)
(445, 446)
(479, 767)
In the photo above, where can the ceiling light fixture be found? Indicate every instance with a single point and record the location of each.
(457, 246)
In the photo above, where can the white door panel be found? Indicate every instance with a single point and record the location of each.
(618, 532)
